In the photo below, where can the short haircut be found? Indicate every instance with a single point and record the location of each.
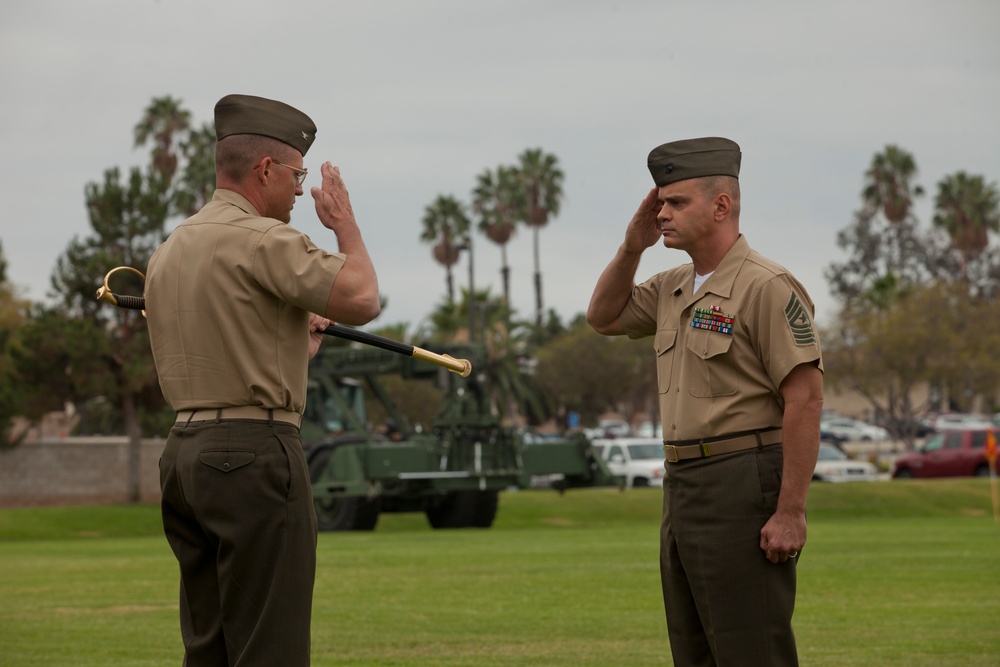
(730, 185)
(236, 154)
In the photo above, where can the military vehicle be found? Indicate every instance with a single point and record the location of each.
(452, 469)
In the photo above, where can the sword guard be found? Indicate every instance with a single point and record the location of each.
(104, 292)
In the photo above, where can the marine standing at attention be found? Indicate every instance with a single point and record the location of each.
(236, 299)
(740, 380)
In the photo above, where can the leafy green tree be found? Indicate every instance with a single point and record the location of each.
(68, 358)
(886, 251)
(499, 201)
(939, 336)
(589, 373)
(100, 359)
(542, 180)
(12, 316)
(446, 225)
(127, 220)
(914, 305)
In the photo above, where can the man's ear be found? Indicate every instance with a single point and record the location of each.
(722, 206)
(261, 170)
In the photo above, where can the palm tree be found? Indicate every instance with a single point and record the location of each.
(542, 181)
(887, 184)
(162, 121)
(967, 208)
(446, 223)
(499, 200)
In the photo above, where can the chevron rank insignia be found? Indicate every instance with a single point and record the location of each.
(799, 322)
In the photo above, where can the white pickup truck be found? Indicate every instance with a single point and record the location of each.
(640, 460)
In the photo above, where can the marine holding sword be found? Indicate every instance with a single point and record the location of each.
(739, 371)
(236, 300)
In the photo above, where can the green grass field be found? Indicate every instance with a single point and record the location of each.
(895, 573)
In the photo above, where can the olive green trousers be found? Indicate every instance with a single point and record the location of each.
(726, 604)
(238, 514)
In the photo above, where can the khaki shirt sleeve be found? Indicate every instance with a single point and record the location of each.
(786, 334)
(639, 316)
(290, 266)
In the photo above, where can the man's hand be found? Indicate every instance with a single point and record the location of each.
(333, 204)
(616, 282)
(783, 536)
(644, 230)
(316, 326)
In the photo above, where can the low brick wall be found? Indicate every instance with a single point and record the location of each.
(76, 471)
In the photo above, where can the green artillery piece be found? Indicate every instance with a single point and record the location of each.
(452, 469)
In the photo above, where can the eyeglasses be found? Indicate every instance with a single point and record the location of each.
(300, 174)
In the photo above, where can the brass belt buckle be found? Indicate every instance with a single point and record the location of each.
(667, 455)
(706, 449)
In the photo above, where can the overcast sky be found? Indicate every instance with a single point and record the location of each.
(415, 98)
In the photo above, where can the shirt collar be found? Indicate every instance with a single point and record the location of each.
(721, 281)
(236, 199)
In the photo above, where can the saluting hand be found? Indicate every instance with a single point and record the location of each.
(333, 204)
(644, 229)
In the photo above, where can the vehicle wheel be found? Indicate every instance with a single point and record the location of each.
(464, 509)
(343, 513)
(639, 481)
(486, 503)
(982, 471)
(903, 473)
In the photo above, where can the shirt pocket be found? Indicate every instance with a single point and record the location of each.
(712, 370)
(663, 343)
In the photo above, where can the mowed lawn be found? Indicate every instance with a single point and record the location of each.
(895, 573)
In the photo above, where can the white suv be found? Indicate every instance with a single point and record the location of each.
(639, 460)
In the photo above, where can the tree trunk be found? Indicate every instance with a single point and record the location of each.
(505, 273)
(538, 283)
(134, 482)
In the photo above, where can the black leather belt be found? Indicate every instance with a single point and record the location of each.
(239, 412)
(682, 450)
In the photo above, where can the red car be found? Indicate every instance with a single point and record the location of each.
(947, 454)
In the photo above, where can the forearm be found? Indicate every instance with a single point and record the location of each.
(803, 395)
(612, 292)
(354, 298)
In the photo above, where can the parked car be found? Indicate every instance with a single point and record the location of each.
(853, 430)
(639, 460)
(947, 454)
(956, 421)
(833, 465)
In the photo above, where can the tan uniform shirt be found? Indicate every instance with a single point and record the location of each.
(753, 324)
(228, 297)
